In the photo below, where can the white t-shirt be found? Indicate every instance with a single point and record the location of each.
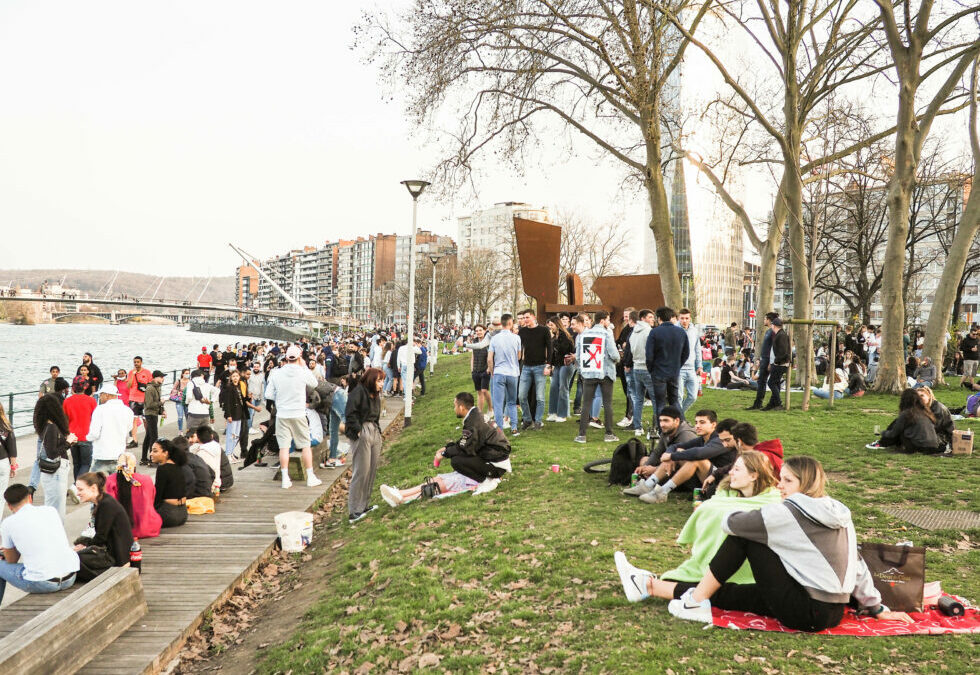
(316, 427)
(39, 535)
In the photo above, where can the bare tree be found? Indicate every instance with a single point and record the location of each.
(921, 53)
(962, 260)
(601, 69)
(480, 282)
(592, 251)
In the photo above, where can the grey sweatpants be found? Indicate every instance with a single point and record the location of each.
(364, 457)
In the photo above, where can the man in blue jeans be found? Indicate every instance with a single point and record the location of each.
(503, 363)
(690, 375)
(536, 353)
(36, 555)
(642, 382)
(667, 350)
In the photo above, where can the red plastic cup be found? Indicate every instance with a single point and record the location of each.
(555, 468)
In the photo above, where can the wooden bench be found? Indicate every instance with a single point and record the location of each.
(75, 628)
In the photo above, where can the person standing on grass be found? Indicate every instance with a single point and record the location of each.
(780, 356)
(642, 381)
(287, 387)
(503, 364)
(764, 356)
(597, 355)
(624, 369)
(668, 348)
(478, 371)
(690, 374)
(562, 369)
(362, 427)
(536, 355)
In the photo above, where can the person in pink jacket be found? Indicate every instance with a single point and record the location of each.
(136, 492)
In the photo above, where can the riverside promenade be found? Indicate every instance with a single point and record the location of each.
(189, 570)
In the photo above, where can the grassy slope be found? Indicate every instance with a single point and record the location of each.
(524, 575)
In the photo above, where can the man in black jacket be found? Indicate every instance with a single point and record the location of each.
(667, 350)
(764, 353)
(780, 356)
(625, 366)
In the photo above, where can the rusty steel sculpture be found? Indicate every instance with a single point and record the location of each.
(539, 245)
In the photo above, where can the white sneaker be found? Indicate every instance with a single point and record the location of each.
(640, 488)
(560, 419)
(595, 425)
(286, 483)
(655, 496)
(312, 480)
(580, 439)
(489, 485)
(639, 432)
(685, 607)
(391, 495)
(625, 422)
(611, 438)
(647, 403)
(873, 446)
(505, 465)
(633, 578)
(552, 417)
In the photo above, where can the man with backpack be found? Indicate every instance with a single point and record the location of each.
(198, 396)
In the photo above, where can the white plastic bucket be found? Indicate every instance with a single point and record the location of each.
(295, 530)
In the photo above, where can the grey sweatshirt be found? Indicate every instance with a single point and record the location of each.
(638, 344)
(815, 540)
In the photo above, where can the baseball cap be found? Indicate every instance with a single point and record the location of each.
(159, 373)
(204, 349)
(108, 390)
(293, 353)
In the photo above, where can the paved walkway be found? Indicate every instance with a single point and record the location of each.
(190, 569)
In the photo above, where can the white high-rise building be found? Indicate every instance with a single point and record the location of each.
(493, 228)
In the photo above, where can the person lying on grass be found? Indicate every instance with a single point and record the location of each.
(746, 438)
(802, 553)
(480, 456)
(750, 484)
(914, 430)
(687, 464)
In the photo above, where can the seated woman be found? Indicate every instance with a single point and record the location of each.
(750, 484)
(944, 420)
(136, 493)
(171, 500)
(198, 477)
(802, 553)
(914, 430)
(730, 379)
(714, 379)
(109, 518)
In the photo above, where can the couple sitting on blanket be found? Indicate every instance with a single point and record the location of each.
(793, 559)
(479, 458)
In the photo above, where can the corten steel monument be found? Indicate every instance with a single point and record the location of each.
(539, 249)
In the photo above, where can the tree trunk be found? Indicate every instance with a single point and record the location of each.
(670, 282)
(947, 292)
(802, 291)
(769, 254)
(891, 367)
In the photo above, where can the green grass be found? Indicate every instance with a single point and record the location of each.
(523, 580)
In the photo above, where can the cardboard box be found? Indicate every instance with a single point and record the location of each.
(962, 442)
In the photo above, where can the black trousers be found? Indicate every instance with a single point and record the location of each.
(775, 384)
(151, 433)
(172, 515)
(626, 390)
(605, 387)
(775, 593)
(760, 388)
(475, 468)
(420, 373)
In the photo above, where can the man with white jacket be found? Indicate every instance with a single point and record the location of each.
(198, 397)
(642, 381)
(112, 422)
(287, 387)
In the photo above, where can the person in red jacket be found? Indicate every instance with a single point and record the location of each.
(746, 438)
(79, 408)
(137, 380)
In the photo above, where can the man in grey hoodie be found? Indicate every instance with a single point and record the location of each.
(642, 380)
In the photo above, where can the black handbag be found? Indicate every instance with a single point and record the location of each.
(93, 561)
(430, 488)
(48, 465)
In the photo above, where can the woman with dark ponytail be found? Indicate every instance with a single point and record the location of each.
(113, 530)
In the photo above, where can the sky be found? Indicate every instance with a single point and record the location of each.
(139, 136)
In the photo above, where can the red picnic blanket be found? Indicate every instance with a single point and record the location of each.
(929, 622)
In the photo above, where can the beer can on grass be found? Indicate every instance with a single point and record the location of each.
(634, 479)
(697, 494)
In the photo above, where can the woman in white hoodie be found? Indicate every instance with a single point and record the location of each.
(803, 555)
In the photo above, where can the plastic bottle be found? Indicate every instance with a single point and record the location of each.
(136, 556)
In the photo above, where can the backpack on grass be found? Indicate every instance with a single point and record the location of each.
(972, 404)
(626, 457)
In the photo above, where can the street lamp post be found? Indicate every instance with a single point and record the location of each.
(433, 345)
(415, 188)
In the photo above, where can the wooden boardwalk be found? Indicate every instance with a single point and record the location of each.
(190, 569)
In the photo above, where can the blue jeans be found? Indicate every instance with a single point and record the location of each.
(233, 432)
(36, 470)
(561, 377)
(337, 415)
(503, 394)
(81, 458)
(524, 387)
(642, 386)
(55, 486)
(4, 478)
(13, 573)
(823, 393)
(688, 384)
(630, 383)
(924, 383)
(181, 411)
(389, 380)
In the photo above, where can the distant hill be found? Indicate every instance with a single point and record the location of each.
(221, 289)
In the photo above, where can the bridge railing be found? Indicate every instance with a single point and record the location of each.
(20, 404)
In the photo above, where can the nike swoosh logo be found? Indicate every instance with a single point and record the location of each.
(635, 585)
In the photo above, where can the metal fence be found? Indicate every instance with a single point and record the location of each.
(22, 417)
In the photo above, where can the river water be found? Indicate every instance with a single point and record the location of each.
(28, 352)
